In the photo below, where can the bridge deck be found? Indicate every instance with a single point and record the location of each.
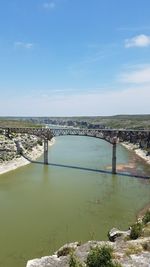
(109, 135)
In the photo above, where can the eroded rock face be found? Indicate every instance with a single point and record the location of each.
(9, 149)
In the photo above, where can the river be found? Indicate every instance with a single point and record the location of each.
(44, 207)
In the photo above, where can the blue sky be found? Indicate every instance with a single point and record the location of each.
(74, 57)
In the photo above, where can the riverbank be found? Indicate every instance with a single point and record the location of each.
(142, 154)
(20, 161)
(139, 152)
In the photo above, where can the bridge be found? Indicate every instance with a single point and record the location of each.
(113, 136)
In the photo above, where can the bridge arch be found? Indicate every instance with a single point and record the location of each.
(142, 137)
(48, 133)
(92, 136)
(90, 133)
(82, 132)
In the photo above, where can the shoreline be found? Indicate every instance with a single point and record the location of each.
(141, 154)
(138, 151)
(21, 161)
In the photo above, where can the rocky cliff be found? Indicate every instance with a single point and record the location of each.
(126, 252)
(9, 149)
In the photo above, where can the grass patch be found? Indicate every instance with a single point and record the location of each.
(133, 250)
(74, 262)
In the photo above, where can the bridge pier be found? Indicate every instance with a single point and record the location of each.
(45, 151)
(114, 157)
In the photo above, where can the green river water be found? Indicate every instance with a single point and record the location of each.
(44, 207)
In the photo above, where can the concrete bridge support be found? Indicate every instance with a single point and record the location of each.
(45, 151)
(114, 157)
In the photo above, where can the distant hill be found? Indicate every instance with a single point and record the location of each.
(117, 121)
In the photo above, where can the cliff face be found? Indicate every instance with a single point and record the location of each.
(8, 148)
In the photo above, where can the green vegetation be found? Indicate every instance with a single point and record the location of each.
(18, 123)
(101, 257)
(141, 228)
(97, 257)
(74, 262)
(118, 121)
(146, 217)
(136, 230)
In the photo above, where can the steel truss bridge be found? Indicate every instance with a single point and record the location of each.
(113, 136)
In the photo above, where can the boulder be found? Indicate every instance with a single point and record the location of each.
(115, 233)
(48, 261)
(59, 259)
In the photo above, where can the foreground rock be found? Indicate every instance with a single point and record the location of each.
(127, 253)
(114, 233)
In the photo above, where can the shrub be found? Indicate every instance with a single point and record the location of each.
(146, 217)
(100, 257)
(74, 262)
(136, 230)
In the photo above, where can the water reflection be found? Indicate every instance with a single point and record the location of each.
(88, 169)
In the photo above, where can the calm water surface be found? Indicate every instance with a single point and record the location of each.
(43, 207)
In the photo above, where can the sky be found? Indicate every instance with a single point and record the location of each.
(74, 57)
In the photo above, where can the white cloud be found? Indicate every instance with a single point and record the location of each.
(49, 5)
(132, 100)
(138, 41)
(23, 45)
(136, 75)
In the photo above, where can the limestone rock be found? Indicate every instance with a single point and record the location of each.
(49, 261)
(114, 233)
(139, 260)
(127, 253)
